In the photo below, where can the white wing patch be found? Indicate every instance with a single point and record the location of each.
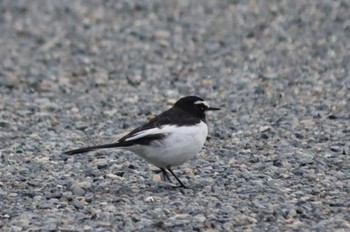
(153, 131)
(202, 102)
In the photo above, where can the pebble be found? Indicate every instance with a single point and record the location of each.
(149, 199)
(77, 204)
(200, 218)
(79, 191)
(84, 184)
(12, 194)
(68, 195)
(9, 81)
(101, 164)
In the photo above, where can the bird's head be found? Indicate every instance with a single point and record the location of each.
(194, 105)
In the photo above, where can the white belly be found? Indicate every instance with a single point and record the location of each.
(179, 146)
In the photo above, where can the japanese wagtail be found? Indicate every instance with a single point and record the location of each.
(168, 140)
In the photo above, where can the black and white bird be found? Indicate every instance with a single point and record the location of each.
(168, 140)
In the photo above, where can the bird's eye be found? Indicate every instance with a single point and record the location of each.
(202, 106)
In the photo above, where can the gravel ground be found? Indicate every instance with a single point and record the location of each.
(85, 72)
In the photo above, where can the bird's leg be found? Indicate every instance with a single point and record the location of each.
(172, 173)
(165, 174)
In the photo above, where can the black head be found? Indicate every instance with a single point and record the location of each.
(194, 105)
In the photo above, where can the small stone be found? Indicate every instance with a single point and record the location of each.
(335, 148)
(110, 112)
(181, 216)
(200, 218)
(37, 198)
(332, 117)
(56, 195)
(68, 195)
(62, 205)
(9, 81)
(115, 177)
(304, 158)
(298, 171)
(88, 228)
(77, 204)
(53, 201)
(277, 163)
(346, 150)
(295, 225)
(85, 184)
(162, 34)
(157, 178)
(110, 208)
(264, 136)
(159, 225)
(291, 213)
(45, 205)
(77, 190)
(101, 164)
(4, 124)
(149, 199)
(101, 77)
(189, 171)
(81, 125)
(299, 136)
(135, 78)
(43, 160)
(89, 197)
(45, 85)
(265, 129)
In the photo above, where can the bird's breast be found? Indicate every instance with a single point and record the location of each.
(180, 144)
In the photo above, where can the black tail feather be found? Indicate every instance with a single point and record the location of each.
(87, 149)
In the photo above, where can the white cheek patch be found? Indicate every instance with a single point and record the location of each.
(202, 102)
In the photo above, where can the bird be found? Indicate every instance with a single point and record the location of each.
(169, 139)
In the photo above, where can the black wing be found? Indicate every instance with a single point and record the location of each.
(173, 116)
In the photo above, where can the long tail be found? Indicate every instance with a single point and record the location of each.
(87, 149)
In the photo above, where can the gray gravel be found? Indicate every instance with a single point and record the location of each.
(85, 72)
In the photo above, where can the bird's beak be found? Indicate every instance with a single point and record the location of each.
(212, 108)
